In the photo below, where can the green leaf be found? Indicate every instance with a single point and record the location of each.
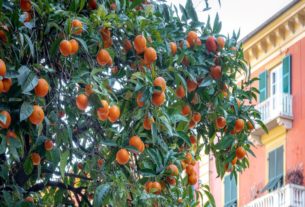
(183, 136)
(25, 110)
(28, 166)
(63, 162)
(100, 195)
(30, 43)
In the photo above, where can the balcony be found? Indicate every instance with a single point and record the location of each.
(275, 111)
(289, 196)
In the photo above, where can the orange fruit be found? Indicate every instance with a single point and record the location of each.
(158, 99)
(189, 169)
(193, 139)
(42, 88)
(148, 186)
(122, 156)
(77, 27)
(100, 163)
(101, 116)
(187, 44)
(28, 16)
(2, 68)
(215, 72)
(89, 89)
(220, 122)
(7, 123)
(65, 48)
(171, 180)
(159, 81)
(102, 112)
(105, 33)
(114, 113)
(81, 102)
(156, 187)
(1, 86)
(193, 163)
(11, 134)
(234, 161)
(140, 44)
(221, 42)
(188, 158)
(92, 4)
(48, 145)
(140, 103)
(250, 126)
(192, 124)
(173, 170)
(74, 46)
(198, 42)
(239, 125)
(35, 157)
(148, 122)
(150, 55)
(192, 179)
(37, 115)
(103, 57)
(7, 84)
(196, 117)
(127, 45)
(25, 5)
(191, 37)
(136, 142)
(108, 43)
(186, 110)
(240, 152)
(191, 85)
(29, 199)
(210, 44)
(173, 47)
(180, 92)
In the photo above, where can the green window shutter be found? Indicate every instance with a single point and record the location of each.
(227, 189)
(230, 191)
(233, 189)
(287, 74)
(263, 86)
(280, 161)
(272, 165)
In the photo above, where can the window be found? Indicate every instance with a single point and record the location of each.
(275, 169)
(230, 191)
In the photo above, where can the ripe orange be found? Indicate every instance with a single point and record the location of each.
(81, 102)
(188, 158)
(189, 169)
(220, 122)
(37, 115)
(77, 27)
(198, 42)
(114, 113)
(35, 157)
(92, 4)
(100, 163)
(191, 85)
(108, 43)
(105, 33)
(122, 156)
(140, 103)
(173, 47)
(180, 92)
(186, 110)
(102, 112)
(89, 89)
(7, 84)
(171, 180)
(196, 117)
(150, 55)
(234, 161)
(29, 199)
(65, 48)
(250, 126)
(159, 81)
(140, 44)
(25, 5)
(221, 42)
(28, 16)
(48, 145)
(191, 37)
(148, 186)
(187, 44)
(103, 57)
(193, 139)
(7, 123)
(240, 152)
(156, 188)
(216, 72)
(148, 122)
(173, 170)
(74, 46)
(192, 124)
(210, 44)
(192, 179)
(136, 142)
(42, 88)
(127, 45)
(239, 125)
(2, 68)
(158, 99)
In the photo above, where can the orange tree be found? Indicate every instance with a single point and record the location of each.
(107, 102)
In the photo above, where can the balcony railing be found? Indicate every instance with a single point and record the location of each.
(275, 106)
(289, 196)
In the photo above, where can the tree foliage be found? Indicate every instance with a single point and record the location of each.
(59, 149)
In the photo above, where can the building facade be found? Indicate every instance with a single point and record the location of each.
(276, 53)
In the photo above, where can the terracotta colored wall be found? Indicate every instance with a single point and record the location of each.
(215, 183)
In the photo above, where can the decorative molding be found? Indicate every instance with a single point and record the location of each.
(287, 123)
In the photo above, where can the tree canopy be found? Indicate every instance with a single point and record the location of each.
(112, 103)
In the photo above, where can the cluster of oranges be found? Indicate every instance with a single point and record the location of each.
(70, 47)
(188, 164)
(26, 7)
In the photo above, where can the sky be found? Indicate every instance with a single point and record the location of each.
(245, 15)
